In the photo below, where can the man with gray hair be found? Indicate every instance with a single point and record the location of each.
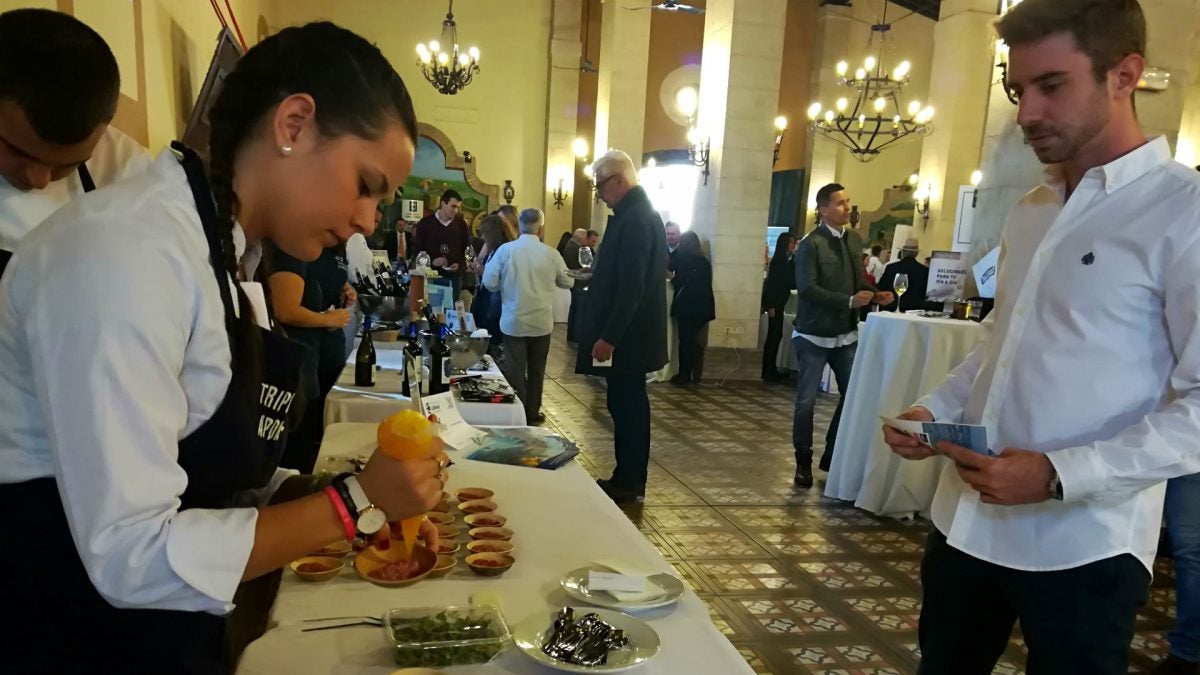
(525, 272)
(623, 324)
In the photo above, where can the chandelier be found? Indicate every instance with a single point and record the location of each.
(875, 121)
(448, 71)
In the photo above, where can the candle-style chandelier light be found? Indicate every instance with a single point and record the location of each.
(446, 68)
(875, 120)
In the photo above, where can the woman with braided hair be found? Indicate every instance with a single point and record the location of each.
(142, 408)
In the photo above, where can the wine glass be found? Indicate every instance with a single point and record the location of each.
(422, 260)
(901, 286)
(469, 254)
(586, 257)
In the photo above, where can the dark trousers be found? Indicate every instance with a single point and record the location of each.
(1182, 511)
(525, 369)
(576, 300)
(691, 349)
(323, 369)
(630, 410)
(1075, 622)
(810, 363)
(771, 347)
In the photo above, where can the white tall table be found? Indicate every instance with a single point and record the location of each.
(562, 522)
(900, 358)
(348, 403)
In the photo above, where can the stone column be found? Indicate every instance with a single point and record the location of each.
(832, 37)
(562, 112)
(739, 96)
(959, 88)
(621, 85)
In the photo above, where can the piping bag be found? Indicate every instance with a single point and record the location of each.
(406, 435)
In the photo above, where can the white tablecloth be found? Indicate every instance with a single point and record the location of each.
(562, 304)
(347, 403)
(562, 521)
(900, 358)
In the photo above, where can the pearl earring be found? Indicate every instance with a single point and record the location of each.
(286, 150)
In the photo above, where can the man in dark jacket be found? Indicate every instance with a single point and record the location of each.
(623, 324)
(832, 286)
(570, 256)
(918, 278)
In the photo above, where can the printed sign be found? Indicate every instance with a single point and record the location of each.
(947, 276)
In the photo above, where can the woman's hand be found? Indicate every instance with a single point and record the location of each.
(404, 488)
(349, 296)
(336, 318)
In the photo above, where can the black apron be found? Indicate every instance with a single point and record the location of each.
(85, 178)
(63, 624)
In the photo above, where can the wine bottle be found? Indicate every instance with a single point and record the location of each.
(439, 358)
(412, 362)
(364, 360)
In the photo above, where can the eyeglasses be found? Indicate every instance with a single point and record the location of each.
(600, 183)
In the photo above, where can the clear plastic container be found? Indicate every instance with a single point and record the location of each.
(440, 637)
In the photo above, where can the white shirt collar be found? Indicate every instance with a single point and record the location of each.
(1121, 171)
(834, 231)
(445, 223)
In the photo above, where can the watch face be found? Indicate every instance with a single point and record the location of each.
(371, 520)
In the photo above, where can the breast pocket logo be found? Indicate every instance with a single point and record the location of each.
(1088, 259)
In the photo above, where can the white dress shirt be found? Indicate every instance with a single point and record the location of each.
(875, 268)
(116, 157)
(112, 336)
(526, 271)
(1092, 356)
(844, 339)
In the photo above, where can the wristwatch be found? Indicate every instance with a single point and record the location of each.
(371, 518)
(1056, 488)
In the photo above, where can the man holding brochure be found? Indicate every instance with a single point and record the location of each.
(1086, 376)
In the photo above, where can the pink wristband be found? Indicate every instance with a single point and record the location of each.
(348, 526)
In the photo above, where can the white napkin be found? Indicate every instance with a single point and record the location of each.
(651, 592)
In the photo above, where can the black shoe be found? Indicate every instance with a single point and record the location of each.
(681, 381)
(1176, 666)
(804, 477)
(536, 418)
(621, 495)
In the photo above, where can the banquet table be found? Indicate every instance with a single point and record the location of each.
(562, 304)
(562, 521)
(900, 358)
(348, 403)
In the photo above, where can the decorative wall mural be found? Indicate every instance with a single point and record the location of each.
(439, 167)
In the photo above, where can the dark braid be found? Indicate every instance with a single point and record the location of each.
(356, 92)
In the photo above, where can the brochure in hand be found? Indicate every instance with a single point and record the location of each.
(970, 436)
(523, 447)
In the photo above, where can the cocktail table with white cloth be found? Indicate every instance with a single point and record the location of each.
(900, 357)
(348, 403)
(562, 521)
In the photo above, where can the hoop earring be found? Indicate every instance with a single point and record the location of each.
(286, 150)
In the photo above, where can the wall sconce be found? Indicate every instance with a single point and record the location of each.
(922, 200)
(855, 216)
(976, 179)
(560, 195)
(780, 128)
(698, 151)
(509, 192)
(467, 157)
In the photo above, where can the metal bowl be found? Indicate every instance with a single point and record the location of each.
(465, 351)
(383, 308)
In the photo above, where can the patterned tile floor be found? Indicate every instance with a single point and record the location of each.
(800, 584)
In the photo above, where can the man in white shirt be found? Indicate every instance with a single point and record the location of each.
(875, 264)
(525, 272)
(59, 86)
(1086, 376)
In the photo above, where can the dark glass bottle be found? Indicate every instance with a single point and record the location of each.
(412, 362)
(364, 360)
(439, 358)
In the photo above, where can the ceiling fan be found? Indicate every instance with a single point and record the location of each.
(672, 6)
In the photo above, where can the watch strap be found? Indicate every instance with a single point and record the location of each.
(343, 491)
(361, 501)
